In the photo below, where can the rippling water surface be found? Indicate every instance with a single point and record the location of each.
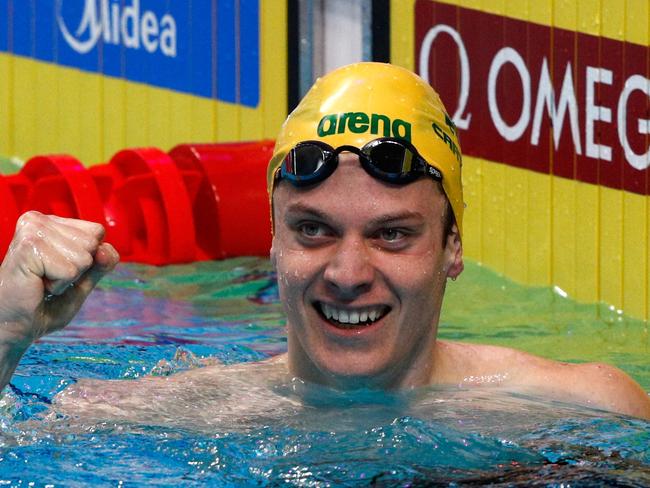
(285, 432)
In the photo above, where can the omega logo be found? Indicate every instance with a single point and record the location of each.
(539, 99)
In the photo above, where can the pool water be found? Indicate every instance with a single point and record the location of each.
(305, 435)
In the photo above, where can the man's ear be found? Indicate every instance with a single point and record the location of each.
(454, 253)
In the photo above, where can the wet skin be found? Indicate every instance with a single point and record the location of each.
(362, 267)
(356, 244)
(353, 245)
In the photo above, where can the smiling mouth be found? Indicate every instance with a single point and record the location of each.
(350, 318)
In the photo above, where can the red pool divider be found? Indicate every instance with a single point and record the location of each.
(231, 207)
(61, 185)
(199, 202)
(150, 209)
(13, 195)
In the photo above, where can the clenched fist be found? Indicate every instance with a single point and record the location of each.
(51, 266)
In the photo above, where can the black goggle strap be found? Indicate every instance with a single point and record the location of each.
(433, 172)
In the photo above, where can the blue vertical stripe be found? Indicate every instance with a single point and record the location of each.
(199, 52)
(249, 49)
(45, 24)
(5, 21)
(226, 51)
(23, 27)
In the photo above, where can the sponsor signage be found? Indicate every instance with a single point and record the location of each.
(540, 98)
(208, 48)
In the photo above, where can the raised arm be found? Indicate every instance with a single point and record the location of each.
(51, 266)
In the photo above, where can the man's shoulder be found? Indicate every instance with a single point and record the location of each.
(598, 385)
(484, 357)
(214, 386)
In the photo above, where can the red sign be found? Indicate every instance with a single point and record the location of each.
(539, 97)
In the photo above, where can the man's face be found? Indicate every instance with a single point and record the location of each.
(362, 268)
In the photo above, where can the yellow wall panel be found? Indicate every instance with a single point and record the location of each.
(613, 19)
(647, 269)
(159, 115)
(401, 33)
(227, 122)
(475, 4)
(90, 117)
(493, 215)
(251, 124)
(635, 256)
(539, 228)
(114, 118)
(203, 120)
(540, 12)
(497, 7)
(517, 9)
(180, 115)
(274, 54)
(24, 106)
(6, 105)
(565, 14)
(636, 286)
(587, 248)
(472, 217)
(564, 235)
(516, 224)
(136, 99)
(69, 115)
(636, 30)
(46, 129)
(589, 12)
(611, 247)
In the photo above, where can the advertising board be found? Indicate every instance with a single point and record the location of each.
(181, 46)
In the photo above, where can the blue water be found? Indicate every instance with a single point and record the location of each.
(289, 433)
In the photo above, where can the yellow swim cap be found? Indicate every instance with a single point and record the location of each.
(361, 102)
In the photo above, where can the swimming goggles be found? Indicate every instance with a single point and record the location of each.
(387, 159)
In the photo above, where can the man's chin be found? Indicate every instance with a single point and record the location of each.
(354, 371)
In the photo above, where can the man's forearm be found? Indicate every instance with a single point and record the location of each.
(10, 353)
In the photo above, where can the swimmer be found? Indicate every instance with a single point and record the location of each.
(366, 192)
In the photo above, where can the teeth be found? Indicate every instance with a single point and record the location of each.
(327, 311)
(352, 316)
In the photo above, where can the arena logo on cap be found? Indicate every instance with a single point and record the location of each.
(120, 25)
(360, 122)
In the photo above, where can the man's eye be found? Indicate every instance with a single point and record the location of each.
(311, 229)
(391, 235)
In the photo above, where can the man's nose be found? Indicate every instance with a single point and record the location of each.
(349, 272)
